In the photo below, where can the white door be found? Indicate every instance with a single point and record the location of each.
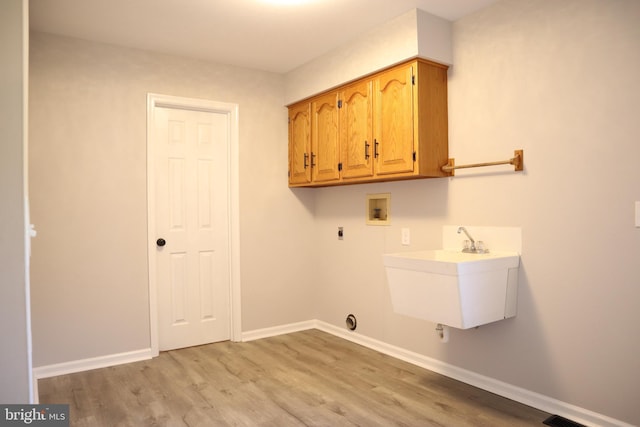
(192, 226)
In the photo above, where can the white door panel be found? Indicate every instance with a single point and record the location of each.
(192, 216)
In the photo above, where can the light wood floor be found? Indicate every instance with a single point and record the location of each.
(306, 378)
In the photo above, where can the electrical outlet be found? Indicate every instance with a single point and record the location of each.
(406, 236)
(340, 233)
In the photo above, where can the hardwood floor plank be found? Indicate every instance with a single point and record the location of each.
(308, 378)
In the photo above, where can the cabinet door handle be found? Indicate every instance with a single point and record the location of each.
(313, 160)
(366, 150)
(306, 157)
(375, 148)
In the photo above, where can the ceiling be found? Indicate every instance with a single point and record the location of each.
(259, 34)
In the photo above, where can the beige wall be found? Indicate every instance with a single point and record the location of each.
(558, 79)
(15, 352)
(414, 33)
(88, 192)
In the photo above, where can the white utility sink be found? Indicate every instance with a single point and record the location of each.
(463, 290)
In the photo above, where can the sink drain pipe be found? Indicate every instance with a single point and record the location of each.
(351, 322)
(443, 332)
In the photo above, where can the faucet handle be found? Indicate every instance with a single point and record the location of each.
(480, 247)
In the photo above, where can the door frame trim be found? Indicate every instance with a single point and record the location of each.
(154, 101)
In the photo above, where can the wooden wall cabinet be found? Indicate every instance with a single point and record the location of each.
(300, 144)
(325, 144)
(388, 126)
(356, 130)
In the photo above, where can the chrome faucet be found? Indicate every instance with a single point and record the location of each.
(476, 249)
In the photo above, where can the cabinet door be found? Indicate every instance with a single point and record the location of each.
(325, 145)
(300, 144)
(393, 126)
(356, 130)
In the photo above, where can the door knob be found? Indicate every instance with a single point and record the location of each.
(161, 242)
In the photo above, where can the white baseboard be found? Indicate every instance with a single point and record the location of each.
(536, 400)
(278, 330)
(91, 363)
